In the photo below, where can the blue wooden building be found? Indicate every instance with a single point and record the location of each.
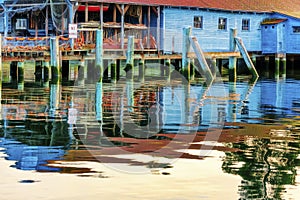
(266, 27)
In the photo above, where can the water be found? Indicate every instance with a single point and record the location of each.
(239, 141)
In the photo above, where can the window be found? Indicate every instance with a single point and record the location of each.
(222, 24)
(296, 29)
(245, 24)
(21, 24)
(198, 22)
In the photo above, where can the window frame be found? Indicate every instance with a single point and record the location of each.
(197, 22)
(246, 26)
(21, 24)
(296, 29)
(222, 23)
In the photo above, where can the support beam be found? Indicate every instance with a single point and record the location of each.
(21, 75)
(130, 58)
(283, 61)
(185, 50)
(47, 24)
(201, 58)
(122, 26)
(113, 71)
(86, 12)
(148, 25)
(247, 58)
(71, 21)
(142, 70)
(158, 29)
(101, 16)
(55, 58)
(81, 69)
(46, 73)
(168, 69)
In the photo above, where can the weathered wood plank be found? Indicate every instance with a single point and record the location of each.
(203, 64)
(246, 57)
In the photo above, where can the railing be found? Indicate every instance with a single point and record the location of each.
(84, 41)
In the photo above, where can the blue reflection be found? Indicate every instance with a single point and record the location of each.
(31, 157)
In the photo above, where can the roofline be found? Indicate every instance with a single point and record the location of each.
(174, 6)
(287, 15)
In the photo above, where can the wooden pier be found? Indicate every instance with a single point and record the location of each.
(58, 49)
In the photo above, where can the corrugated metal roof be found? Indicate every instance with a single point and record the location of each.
(289, 7)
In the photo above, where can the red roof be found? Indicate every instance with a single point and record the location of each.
(289, 7)
(272, 21)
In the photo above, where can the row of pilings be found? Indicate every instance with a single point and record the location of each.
(275, 64)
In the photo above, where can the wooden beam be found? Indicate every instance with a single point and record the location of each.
(119, 8)
(246, 57)
(148, 24)
(47, 22)
(115, 13)
(141, 16)
(101, 16)
(201, 58)
(122, 26)
(154, 10)
(86, 12)
(158, 29)
(126, 9)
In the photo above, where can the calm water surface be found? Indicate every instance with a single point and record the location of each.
(250, 130)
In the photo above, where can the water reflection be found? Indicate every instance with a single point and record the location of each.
(108, 122)
(267, 165)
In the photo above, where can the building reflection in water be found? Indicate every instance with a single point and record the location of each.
(34, 127)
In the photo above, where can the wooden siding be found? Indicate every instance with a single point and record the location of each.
(209, 37)
(269, 40)
(292, 40)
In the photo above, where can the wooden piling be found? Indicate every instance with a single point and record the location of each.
(168, 69)
(185, 50)
(277, 67)
(118, 68)
(292, 65)
(129, 58)
(105, 70)
(55, 58)
(254, 60)
(192, 69)
(267, 66)
(232, 60)
(220, 66)
(113, 71)
(81, 70)
(99, 54)
(214, 67)
(21, 75)
(20, 71)
(46, 73)
(38, 71)
(142, 70)
(71, 21)
(283, 61)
